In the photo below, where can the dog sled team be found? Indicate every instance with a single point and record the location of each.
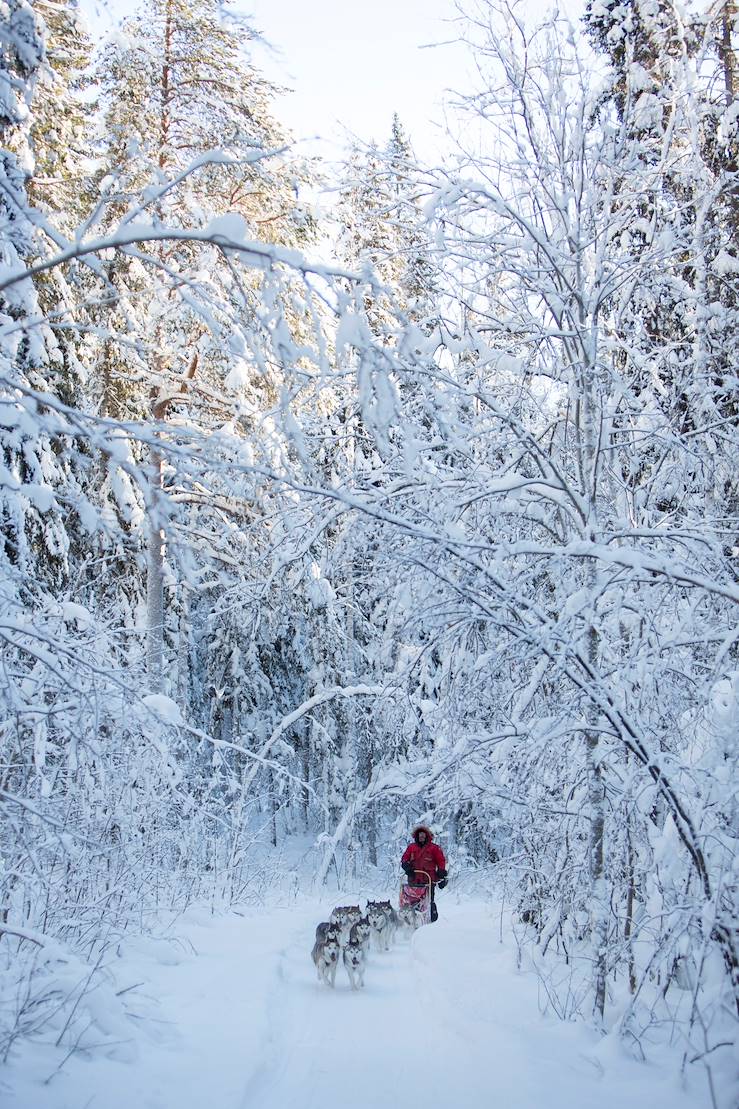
(348, 935)
(349, 932)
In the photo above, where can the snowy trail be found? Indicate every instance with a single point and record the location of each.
(328, 1047)
(243, 1024)
(365, 1048)
(446, 1012)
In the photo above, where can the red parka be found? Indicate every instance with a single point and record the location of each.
(428, 858)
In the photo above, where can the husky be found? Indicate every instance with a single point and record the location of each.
(325, 955)
(344, 916)
(354, 961)
(342, 912)
(379, 924)
(408, 920)
(360, 932)
(391, 920)
(323, 929)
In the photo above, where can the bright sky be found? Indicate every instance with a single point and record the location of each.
(355, 62)
(351, 63)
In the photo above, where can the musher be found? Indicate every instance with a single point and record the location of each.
(423, 857)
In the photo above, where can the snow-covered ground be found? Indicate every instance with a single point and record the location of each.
(229, 1015)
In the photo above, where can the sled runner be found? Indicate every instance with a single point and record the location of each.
(418, 897)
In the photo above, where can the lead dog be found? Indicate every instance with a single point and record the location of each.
(325, 956)
(355, 960)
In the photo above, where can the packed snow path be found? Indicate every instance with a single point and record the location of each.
(244, 1024)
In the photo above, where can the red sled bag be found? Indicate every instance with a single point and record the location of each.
(418, 898)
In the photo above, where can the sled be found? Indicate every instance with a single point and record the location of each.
(417, 897)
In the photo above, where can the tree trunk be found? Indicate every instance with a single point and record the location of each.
(166, 87)
(155, 583)
(726, 51)
(183, 650)
(590, 468)
(596, 807)
(629, 924)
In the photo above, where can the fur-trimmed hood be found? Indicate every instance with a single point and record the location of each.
(423, 828)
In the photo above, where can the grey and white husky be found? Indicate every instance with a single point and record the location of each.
(360, 932)
(379, 923)
(393, 922)
(355, 960)
(325, 956)
(408, 920)
(345, 912)
(323, 929)
(344, 916)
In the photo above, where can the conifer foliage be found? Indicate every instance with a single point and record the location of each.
(382, 228)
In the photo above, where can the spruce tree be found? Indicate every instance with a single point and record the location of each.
(672, 88)
(417, 277)
(35, 540)
(381, 227)
(181, 85)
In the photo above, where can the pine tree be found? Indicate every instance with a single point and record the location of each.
(181, 85)
(58, 188)
(177, 84)
(60, 133)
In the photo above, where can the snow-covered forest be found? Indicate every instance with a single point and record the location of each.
(333, 499)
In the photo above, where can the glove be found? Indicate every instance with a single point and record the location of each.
(441, 883)
(442, 878)
(410, 871)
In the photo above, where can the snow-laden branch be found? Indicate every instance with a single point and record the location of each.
(25, 934)
(317, 699)
(253, 253)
